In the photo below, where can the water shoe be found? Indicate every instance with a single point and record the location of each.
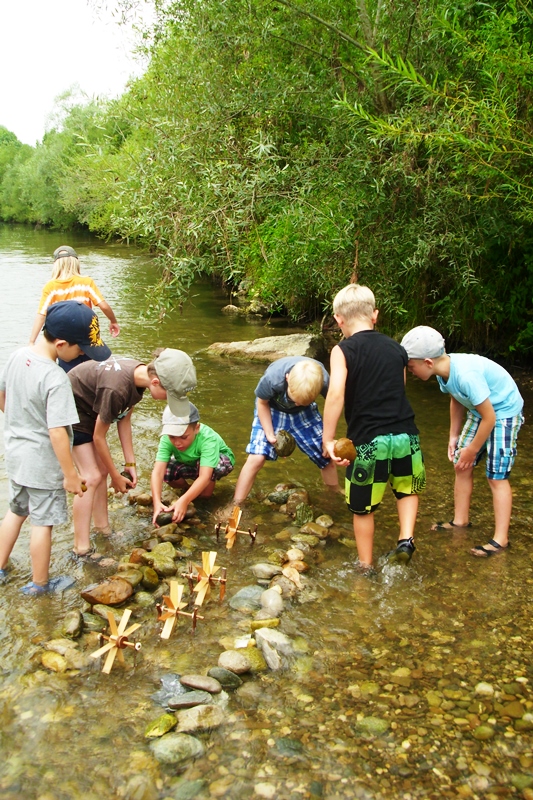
(403, 552)
(484, 552)
(58, 584)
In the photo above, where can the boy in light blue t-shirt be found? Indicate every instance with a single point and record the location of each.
(494, 416)
(188, 450)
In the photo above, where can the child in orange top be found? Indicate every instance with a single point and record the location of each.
(68, 284)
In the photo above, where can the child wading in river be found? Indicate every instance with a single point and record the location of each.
(368, 379)
(68, 284)
(36, 396)
(188, 450)
(493, 407)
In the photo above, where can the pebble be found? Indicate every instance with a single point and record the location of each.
(190, 699)
(72, 624)
(200, 718)
(202, 682)
(247, 599)
(235, 661)
(265, 571)
(160, 726)
(226, 678)
(177, 748)
(272, 602)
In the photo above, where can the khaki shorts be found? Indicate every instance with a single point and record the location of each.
(44, 507)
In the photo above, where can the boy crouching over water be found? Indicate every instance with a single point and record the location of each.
(188, 450)
(367, 377)
(39, 407)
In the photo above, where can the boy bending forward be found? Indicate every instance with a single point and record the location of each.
(368, 378)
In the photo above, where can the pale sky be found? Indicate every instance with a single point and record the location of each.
(46, 47)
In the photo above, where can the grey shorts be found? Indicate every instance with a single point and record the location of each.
(44, 507)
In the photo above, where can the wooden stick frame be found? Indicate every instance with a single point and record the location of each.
(202, 579)
(232, 529)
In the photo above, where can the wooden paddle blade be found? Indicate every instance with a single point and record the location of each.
(110, 660)
(102, 650)
(202, 588)
(132, 628)
(124, 621)
(235, 518)
(167, 627)
(112, 623)
(174, 593)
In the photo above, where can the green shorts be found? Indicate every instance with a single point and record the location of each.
(394, 458)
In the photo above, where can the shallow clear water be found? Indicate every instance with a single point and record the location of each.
(449, 620)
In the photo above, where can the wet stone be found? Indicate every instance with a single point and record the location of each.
(54, 661)
(190, 699)
(372, 726)
(266, 571)
(483, 732)
(144, 599)
(515, 710)
(324, 520)
(295, 498)
(72, 626)
(110, 593)
(226, 678)
(140, 787)
(278, 498)
(150, 579)
(256, 659)
(171, 686)
(200, 718)
(177, 748)
(235, 661)
(272, 602)
(303, 514)
(202, 682)
(247, 599)
(133, 576)
(92, 622)
(313, 529)
(188, 790)
(305, 538)
(289, 747)
(160, 726)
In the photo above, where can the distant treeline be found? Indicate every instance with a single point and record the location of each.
(285, 146)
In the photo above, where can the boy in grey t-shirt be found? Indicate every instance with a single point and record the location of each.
(39, 407)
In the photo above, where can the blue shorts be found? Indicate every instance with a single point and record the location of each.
(305, 426)
(500, 447)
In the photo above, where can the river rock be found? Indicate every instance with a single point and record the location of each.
(272, 602)
(261, 621)
(133, 576)
(276, 639)
(112, 592)
(137, 555)
(202, 682)
(235, 661)
(143, 499)
(484, 689)
(72, 626)
(288, 587)
(324, 520)
(188, 790)
(150, 578)
(54, 661)
(163, 564)
(249, 694)
(200, 718)
(190, 699)
(295, 498)
(372, 726)
(270, 348)
(226, 678)
(314, 529)
(295, 553)
(515, 710)
(256, 659)
(92, 622)
(160, 726)
(483, 732)
(303, 514)
(171, 687)
(247, 599)
(299, 566)
(279, 498)
(305, 538)
(140, 787)
(266, 571)
(177, 748)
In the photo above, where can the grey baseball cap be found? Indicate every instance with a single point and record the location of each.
(64, 252)
(177, 374)
(423, 342)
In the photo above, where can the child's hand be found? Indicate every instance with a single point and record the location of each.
(452, 446)
(114, 329)
(121, 484)
(467, 456)
(158, 508)
(272, 438)
(179, 508)
(328, 450)
(73, 484)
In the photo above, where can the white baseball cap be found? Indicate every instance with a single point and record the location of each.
(423, 342)
(176, 426)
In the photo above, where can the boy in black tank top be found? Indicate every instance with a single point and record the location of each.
(368, 379)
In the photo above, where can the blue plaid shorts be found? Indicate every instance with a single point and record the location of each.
(177, 469)
(305, 426)
(500, 447)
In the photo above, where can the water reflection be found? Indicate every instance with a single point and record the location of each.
(369, 648)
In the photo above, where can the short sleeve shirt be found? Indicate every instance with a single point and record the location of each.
(474, 379)
(105, 389)
(206, 448)
(80, 288)
(273, 385)
(38, 397)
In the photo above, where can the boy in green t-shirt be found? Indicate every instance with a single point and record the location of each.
(188, 450)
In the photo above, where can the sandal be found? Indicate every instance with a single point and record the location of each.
(90, 556)
(58, 584)
(481, 552)
(449, 526)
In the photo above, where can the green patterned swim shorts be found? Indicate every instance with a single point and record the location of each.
(396, 459)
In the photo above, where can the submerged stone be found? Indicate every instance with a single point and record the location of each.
(72, 624)
(190, 699)
(372, 726)
(110, 593)
(200, 718)
(235, 661)
(483, 732)
(247, 599)
(226, 678)
(160, 726)
(177, 748)
(202, 682)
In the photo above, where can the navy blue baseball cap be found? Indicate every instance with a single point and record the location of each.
(78, 324)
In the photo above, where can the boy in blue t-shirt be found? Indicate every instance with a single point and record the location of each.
(494, 416)
(188, 450)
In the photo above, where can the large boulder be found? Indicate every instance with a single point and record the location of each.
(270, 348)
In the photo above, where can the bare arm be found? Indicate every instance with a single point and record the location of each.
(126, 440)
(457, 413)
(118, 482)
(61, 445)
(106, 309)
(156, 485)
(2, 401)
(195, 490)
(265, 418)
(37, 327)
(488, 421)
(334, 403)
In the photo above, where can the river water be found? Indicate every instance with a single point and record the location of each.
(407, 649)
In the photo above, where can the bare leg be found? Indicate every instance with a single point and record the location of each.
(363, 528)
(40, 550)
(247, 476)
(85, 458)
(462, 493)
(9, 531)
(502, 499)
(100, 511)
(330, 477)
(407, 510)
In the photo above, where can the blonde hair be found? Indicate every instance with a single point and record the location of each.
(354, 301)
(305, 382)
(65, 267)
